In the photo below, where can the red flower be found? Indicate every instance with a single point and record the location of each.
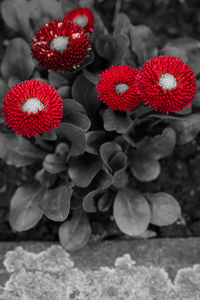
(60, 45)
(32, 107)
(166, 83)
(117, 88)
(81, 16)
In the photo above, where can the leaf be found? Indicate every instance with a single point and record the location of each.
(158, 146)
(83, 169)
(120, 179)
(55, 202)
(18, 151)
(165, 210)
(65, 92)
(108, 150)
(17, 60)
(103, 180)
(105, 202)
(45, 178)
(144, 168)
(121, 45)
(94, 139)
(89, 202)
(176, 52)
(58, 80)
(192, 48)
(24, 213)
(70, 105)
(104, 46)
(84, 92)
(50, 135)
(186, 128)
(143, 43)
(78, 119)
(69, 5)
(53, 164)
(93, 78)
(116, 121)
(13, 80)
(185, 111)
(61, 151)
(16, 16)
(74, 136)
(122, 25)
(118, 161)
(75, 234)
(3, 92)
(51, 8)
(196, 100)
(131, 212)
(99, 27)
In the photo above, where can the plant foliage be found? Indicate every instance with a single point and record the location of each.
(93, 161)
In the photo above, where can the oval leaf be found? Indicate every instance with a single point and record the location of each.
(53, 164)
(18, 151)
(176, 52)
(143, 43)
(191, 47)
(70, 105)
(17, 60)
(131, 212)
(89, 202)
(55, 202)
(186, 128)
(145, 169)
(16, 16)
(45, 179)
(74, 136)
(24, 212)
(116, 121)
(118, 161)
(122, 24)
(108, 150)
(165, 210)
(75, 233)
(83, 169)
(158, 146)
(94, 139)
(78, 119)
(84, 92)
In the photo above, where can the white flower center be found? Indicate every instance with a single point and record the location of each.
(121, 87)
(59, 43)
(167, 81)
(32, 105)
(81, 21)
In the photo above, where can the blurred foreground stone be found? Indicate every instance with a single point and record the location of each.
(138, 269)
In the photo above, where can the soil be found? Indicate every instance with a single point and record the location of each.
(180, 172)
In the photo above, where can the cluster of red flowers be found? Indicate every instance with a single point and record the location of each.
(62, 45)
(32, 107)
(164, 82)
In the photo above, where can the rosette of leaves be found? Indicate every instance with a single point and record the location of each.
(92, 163)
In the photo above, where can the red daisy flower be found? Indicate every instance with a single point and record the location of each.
(166, 83)
(117, 88)
(81, 16)
(32, 107)
(60, 45)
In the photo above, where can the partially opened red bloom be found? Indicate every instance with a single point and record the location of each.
(60, 45)
(32, 107)
(117, 88)
(166, 83)
(82, 16)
